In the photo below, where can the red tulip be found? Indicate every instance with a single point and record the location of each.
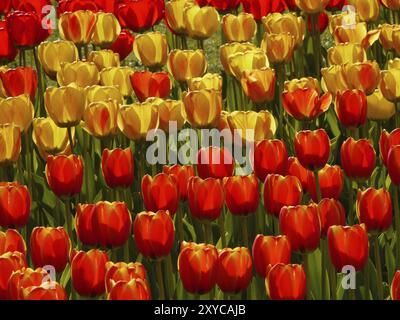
(31, 5)
(348, 246)
(242, 195)
(18, 22)
(8, 52)
(122, 271)
(18, 81)
(261, 8)
(140, 15)
(45, 291)
(312, 148)
(357, 158)
(75, 5)
(334, 5)
(302, 227)
(214, 162)
(393, 164)
(106, 5)
(270, 157)
(305, 104)
(323, 21)
(160, 193)
(374, 209)
(222, 5)
(197, 266)
(5, 6)
(15, 204)
(117, 167)
(269, 251)
(395, 287)
(331, 182)
(11, 241)
(292, 5)
(124, 44)
(147, 84)
(154, 233)
(64, 174)
(9, 262)
(281, 191)
(182, 174)
(205, 198)
(331, 213)
(104, 223)
(88, 270)
(286, 282)
(234, 269)
(386, 141)
(297, 170)
(351, 108)
(50, 246)
(134, 289)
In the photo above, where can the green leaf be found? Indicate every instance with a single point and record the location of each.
(314, 265)
(66, 275)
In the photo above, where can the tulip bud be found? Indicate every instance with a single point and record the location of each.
(197, 266)
(240, 28)
(388, 85)
(229, 49)
(118, 167)
(241, 194)
(261, 8)
(331, 182)
(119, 77)
(151, 49)
(346, 53)
(14, 215)
(77, 26)
(174, 15)
(50, 246)
(246, 61)
(88, 270)
(99, 93)
(334, 80)
(355, 34)
(154, 233)
(387, 141)
(192, 64)
(259, 85)
(8, 50)
(81, 73)
(312, 6)
(278, 47)
(11, 241)
(331, 213)
(270, 157)
(134, 289)
(123, 45)
(269, 251)
(351, 108)
(100, 119)
(302, 83)
(122, 271)
(215, 162)
(9, 263)
(104, 59)
(200, 23)
(363, 76)
(280, 191)
(17, 110)
(367, 10)
(171, 111)
(393, 164)
(378, 108)
(210, 81)
(10, 139)
(294, 168)
(106, 29)
(182, 174)
(395, 286)
(348, 246)
(147, 84)
(18, 81)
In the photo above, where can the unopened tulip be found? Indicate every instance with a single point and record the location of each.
(160, 193)
(50, 246)
(280, 191)
(171, 111)
(259, 85)
(351, 108)
(186, 64)
(379, 108)
(64, 174)
(10, 137)
(389, 84)
(146, 84)
(117, 167)
(18, 81)
(358, 158)
(312, 6)
(99, 93)
(331, 182)
(286, 282)
(106, 29)
(134, 289)
(200, 23)
(356, 34)
(75, 5)
(386, 35)
(81, 73)
(104, 59)
(77, 26)
(334, 80)
(123, 45)
(348, 246)
(268, 251)
(393, 164)
(387, 141)
(302, 83)
(8, 51)
(247, 60)
(45, 291)
(154, 233)
(17, 110)
(211, 81)
(10, 241)
(100, 119)
(15, 204)
(241, 194)
(215, 162)
(119, 77)
(368, 11)
(346, 53)
(197, 266)
(395, 286)
(228, 49)
(121, 271)
(294, 168)
(331, 213)
(270, 157)
(240, 28)
(182, 174)
(261, 8)
(363, 76)
(88, 270)
(278, 47)
(174, 15)
(9, 263)
(151, 49)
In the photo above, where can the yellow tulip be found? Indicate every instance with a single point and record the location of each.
(186, 64)
(104, 59)
(200, 23)
(77, 26)
(344, 34)
(208, 81)
(346, 18)
(246, 61)
(228, 49)
(367, 10)
(278, 47)
(52, 54)
(81, 73)
(203, 107)
(100, 118)
(49, 138)
(391, 4)
(171, 110)
(386, 35)
(394, 64)
(286, 23)
(302, 83)
(333, 80)
(18, 110)
(102, 93)
(3, 93)
(379, 108)
(10, 144)
(240, 28)
(137, 119)
(396, 40)
(312, 6)
(174, 12)
(106, 29)
(390, 84)
(118, 77)
(259, 84)
(346, 53)
(65, 105)
(151, 49)
(262, 123)
(364, 76)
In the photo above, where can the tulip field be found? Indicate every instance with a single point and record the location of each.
(199, 149)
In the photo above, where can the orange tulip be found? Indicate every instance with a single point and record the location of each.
(18, 81)
(351, 108)
(15, 204)
(215, 162)
(118, 167)
(122, 271)
(395, 287)
(11, 241)
(259, 84)
(134, 289)
(182, 174)
(9, 262)
(294, 168)
(270, 157)
(331, 213)
(387, 141)
(331, 182)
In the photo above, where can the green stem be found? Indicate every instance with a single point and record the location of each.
(378, 266)
(323, 269)
(317, 186)
(351, 200)
(40, 83)
(366, 281)
(397, 223)
(208, 232)
(308, 275)
(221, 222)
(316, 40)
(71, 140)
(281, 75)
(169, 277)
(332, 281)
(68, 217)
(245, 233)
(179, 224)
(160, 280)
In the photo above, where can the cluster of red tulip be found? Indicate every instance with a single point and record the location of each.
(83, 212)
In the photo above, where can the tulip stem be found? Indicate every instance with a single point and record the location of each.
(366, 281)
(317, 186)
(281, 75)
(170, 279)
(221, 222)
(316, 40)
(71, 140)
(323, 269)
(378, 266)
(40, 82)
(245, 233)
(160, 280)
(351, 200)
(68, 217)
(259, 33)
(208, 232)
(200, 44)
(332, 280)
(308, 276)
(397, 223)
(179, 224)
(397, 117)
